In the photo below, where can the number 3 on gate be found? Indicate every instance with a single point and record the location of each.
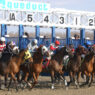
(61, 19)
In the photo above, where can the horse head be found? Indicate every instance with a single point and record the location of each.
(41, 51)
(81, 50)
(16, 50)
(22, 53)
(44, 51)
(67, 51)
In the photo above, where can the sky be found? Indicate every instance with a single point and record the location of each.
(81, 5)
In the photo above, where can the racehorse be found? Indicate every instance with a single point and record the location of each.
(88, 67)
(74, 64)
(7, 54)
(11, 66)
(35, 68)
(56, 63)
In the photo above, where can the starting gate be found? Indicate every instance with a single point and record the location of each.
(24, 13)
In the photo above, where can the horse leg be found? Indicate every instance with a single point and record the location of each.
(13, 77)
(9, 83)
(57, 76)
(6, 78)
(75, 80)
(18, 77)
(87, 77)
(26, 77)
(35, 76)
(92, 78)
(65, 82)
(62, 77)
(71, 78)
(52, 79)
(78, 77)
(0, 82)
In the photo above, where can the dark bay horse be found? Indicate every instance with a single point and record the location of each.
(56, 63)
(35, 68)
(11, 66)
(74, 64)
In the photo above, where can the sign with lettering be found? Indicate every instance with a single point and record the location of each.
(24, 6)
(15, 12)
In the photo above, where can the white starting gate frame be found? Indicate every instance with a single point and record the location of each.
(20, 12)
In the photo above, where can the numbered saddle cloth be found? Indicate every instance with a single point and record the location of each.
(27, 55)
(45, 63)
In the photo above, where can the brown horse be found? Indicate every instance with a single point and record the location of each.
(74, 64)
(11, 66)
(56, 63)
(88, 67)
(35, 68)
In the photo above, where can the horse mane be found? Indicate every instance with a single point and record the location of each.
(37, 55)
(58, 52)
(78, 50)
(89, 57)
(22, 50)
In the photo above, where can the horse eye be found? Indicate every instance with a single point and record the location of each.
(43, 49)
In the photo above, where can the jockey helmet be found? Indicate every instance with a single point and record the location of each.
(35, 41)
(88, 43)
(3, 39)
(12, 43)
(57, 42)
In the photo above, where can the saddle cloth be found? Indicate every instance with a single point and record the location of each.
(45, 63)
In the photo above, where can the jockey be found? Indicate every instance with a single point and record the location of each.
(34, 45)
(2, 43)
(54, 47)
(9, 47)
(88, 45)
(72, 48)
(27, 55)
(27, 58)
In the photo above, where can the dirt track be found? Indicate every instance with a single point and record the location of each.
(43, 88)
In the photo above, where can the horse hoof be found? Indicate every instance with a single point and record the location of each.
(68, 83)
(52, 87)
(2, 87)
(31, 88)
(89, 85)
(16, 89)
(77, 86)
(24, 86)
(8, 89)
(29, 84)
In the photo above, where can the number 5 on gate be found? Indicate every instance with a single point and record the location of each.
(29, 17)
